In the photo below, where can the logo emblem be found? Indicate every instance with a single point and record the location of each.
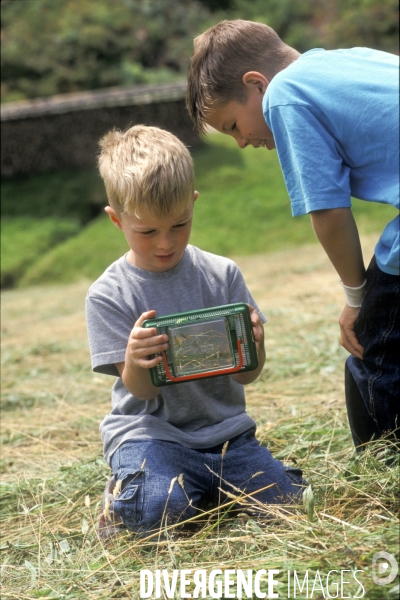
(384, 568)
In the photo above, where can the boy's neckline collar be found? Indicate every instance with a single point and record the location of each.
(311, 51)
(155, 275)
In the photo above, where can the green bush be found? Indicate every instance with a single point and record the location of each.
(243, 207)
(85, 255)
(69, 193)
(25, 240)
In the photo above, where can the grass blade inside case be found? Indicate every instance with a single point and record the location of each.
(205, 343)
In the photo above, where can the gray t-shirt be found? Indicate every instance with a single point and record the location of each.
(195, 414)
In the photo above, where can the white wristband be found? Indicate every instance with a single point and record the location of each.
(354, 295)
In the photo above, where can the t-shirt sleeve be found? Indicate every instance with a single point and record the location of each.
(239, 292)
(315, 174)
(109, 325)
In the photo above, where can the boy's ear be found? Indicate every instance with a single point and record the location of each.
(196, 195)
(254, 79)
(113, 216)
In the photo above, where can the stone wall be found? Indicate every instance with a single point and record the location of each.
(64, 131)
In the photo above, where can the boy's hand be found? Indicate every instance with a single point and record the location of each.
(258, 332)
(258, 328)
(348, 338)
(143, 342)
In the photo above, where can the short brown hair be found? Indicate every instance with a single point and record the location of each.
(221, 56)
(146, 167)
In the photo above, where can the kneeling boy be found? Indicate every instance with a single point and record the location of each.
(164, 445)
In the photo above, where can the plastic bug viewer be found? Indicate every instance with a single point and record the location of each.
(205, 343)
(168, 446)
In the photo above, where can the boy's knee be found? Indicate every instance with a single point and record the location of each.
(143, 507)
(286, 486)
(129, 500)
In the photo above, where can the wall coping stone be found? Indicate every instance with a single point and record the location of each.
(78, 101)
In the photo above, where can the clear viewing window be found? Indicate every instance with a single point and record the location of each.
(201, 347)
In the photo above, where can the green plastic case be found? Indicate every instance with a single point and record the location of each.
(205, 343)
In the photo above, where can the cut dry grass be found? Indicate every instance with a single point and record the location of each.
(54, 474)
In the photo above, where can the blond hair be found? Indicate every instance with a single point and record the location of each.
(222, 55)
(146, 167)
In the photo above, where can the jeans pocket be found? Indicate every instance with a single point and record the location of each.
(128, 503)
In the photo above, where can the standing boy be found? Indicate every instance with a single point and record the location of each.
(333, 118)
(165, 445)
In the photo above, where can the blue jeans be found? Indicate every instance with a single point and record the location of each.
(372, 384)
(148, 467)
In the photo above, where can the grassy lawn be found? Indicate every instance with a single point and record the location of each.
(53, 473)
(243, 209)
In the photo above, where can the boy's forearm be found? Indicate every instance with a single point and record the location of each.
(338, 235)
(137, 381)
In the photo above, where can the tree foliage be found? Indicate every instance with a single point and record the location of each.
(64, 46)
(51, 47)
(329, 24)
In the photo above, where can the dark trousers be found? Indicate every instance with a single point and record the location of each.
(372, 384)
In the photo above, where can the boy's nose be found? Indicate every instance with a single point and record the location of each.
(165, 242)
(242, 142)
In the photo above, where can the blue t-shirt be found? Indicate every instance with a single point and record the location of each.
(335, 119)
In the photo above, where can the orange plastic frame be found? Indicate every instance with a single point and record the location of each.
(208, 373)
